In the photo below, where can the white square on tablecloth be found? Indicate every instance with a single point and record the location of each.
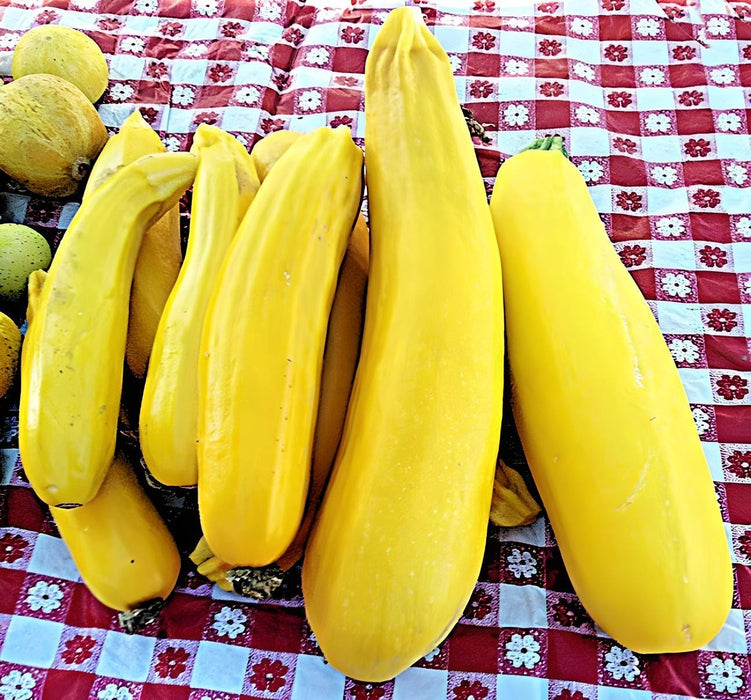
(326, 34)
(678, 255)
(649, 53)
(522, 606)
(31, 642)
(735, 200)
(729, 539)
(512, 88)
(125, 66)
(126, 656)
(208, 29)
(714, 460)
(521, 687)
(606, 692)
(602, 197)
(315, 679)
(655, 98)
(178, 121)
(728, 97)
(737, 146)
(677, 317)
(589, 141)
(661, 200)
(51, 557)
(114, 114)
(732, 636)
(452, 39)
(517, 44)
(662, 149)
(305, 77)
(697, 384)
(8, 460)
(188, 70)
(141, 25)
(241, 119)
(533, 534)
(220, 667)
(742, 251)
(511, 142)
(721, 52)
(418, 682)
(253, 73)
(579, 91)
(746, 313)
(586, 50)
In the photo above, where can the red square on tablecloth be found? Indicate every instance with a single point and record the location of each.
(694, 121)
(629, 228)
(728, 352)
(164, 691)
(618, 76)
(553, 114)
(61, 685)
(675, 674)
(349, 60)
(739, 501)
(703, 172)
(627, 122)
(615, 27)
(24, 509)
(710, 227)
(484, 65)
(185, 616)
(628, 172)
(277, 629)
(86, 611)
(645, 280)
(11, 584)
(687, 75)
(473, 648)
(743, 579)
(550, 25)
(732, 423)
(717, 287)
(552, 68)
(572, 657)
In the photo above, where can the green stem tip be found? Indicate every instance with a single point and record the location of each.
(549, 143)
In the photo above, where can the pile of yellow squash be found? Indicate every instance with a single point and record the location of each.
(257, 382)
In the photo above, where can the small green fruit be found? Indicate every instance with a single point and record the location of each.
(22, 250)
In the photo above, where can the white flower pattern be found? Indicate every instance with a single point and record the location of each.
(455, 61)
(207, 7)
(737, 173)
(195, 50)
(743, 226)
(671, 227)
(17, 686)
(588, 115)
(317, 56)
(591, 170)
(145, 6)
(248, 95)
(132, 44)
(701, 420)
(722, 76)
(309, 100)
(648, 26)
(270, 10)
(517, 22)
(683, 350)
(9, 41)
(183, 95)
(622, 663)
(259, 51)
(718, 26)
(516, 67)
(114, 692)
(515, 115)
(724, 675)
(229, 622)
(521, 564)
(582, 26)
(657, 123)
(584, 71)
(676, 285)
(44, 596)
(727, 121)
(664, 175)
(121, 92)
(432, 654)
(171, 143)
(523, 651)
(747, 287)
(652, 76)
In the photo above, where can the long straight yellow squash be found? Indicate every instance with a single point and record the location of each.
(604, 419)
(262, 349)
(72, 359)
(398, 544)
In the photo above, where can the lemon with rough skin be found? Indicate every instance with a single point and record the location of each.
(64, 52)
(10, 347)
(22, 250)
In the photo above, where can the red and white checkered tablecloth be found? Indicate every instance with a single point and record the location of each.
(654, 101)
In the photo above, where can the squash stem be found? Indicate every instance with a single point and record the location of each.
(549, 143)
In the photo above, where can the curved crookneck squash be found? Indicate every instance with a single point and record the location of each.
(123, 550)
(169, 408)
(72, 358)
(397, 547)
(604, 419)
(262, 349)
(160, 255)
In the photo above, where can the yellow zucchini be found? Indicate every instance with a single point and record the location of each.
(123, 550)
(160, 255)
(398, 543)
(72, 357)
(168, 423)
(262, 349)
(604, 419)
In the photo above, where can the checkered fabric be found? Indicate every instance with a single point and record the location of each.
(654, 102)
